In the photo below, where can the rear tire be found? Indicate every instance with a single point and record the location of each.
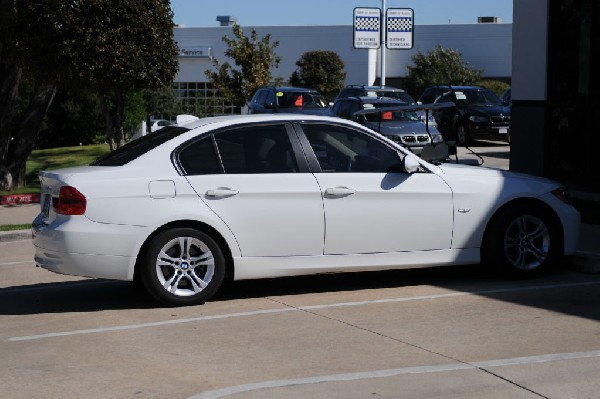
(522, 241)
(182, 266)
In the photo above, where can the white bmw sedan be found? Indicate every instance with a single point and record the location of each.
(258, 196)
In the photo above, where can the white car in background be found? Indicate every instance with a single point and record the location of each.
(260, 196)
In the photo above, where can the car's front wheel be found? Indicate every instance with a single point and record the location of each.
(182, 266)
(462, 135)
(522, 241)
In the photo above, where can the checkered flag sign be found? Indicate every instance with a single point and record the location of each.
(366, 24)
(401, 24)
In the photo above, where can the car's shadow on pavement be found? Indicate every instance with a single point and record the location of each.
(92, 295)
(563, 291)
(73, 296)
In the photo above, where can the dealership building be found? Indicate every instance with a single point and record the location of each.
(485, 46)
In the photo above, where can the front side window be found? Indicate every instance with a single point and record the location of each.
(340, 149)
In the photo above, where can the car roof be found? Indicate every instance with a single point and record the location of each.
(241, 119)
(373, 100)
(460, 87)
(378, 88)
(289, 88)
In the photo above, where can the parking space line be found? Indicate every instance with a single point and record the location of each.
(16, 263)
(219, 393)
(299, 308)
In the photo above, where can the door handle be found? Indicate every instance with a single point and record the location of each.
(221, 192)
(338, 192)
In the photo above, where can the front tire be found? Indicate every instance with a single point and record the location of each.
(522, 241)
(182, 266)
(463, 136)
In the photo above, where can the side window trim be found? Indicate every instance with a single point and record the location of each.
(297, 150)
(311, 157)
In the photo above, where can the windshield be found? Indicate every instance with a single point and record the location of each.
(304, 100)
(400, 95)
(389, 116)
(477, 97)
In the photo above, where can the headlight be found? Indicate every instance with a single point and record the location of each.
(479, 119)
(436, 138)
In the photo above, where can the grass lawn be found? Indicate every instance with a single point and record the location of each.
(13, 227)
(56, 158)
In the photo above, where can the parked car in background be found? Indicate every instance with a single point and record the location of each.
(404, 127)
(478, 114)
(383, 91)
(296, 100)
(260, 196)
(375, 91)
(506, 98)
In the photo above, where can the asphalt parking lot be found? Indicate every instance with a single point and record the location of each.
(444, 332)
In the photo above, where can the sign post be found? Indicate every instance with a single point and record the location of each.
(399, 31)
(367, 28)
(395, 31)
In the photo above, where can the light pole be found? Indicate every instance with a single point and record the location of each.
(383, 41)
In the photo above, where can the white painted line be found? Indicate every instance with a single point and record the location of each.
(220, 393)
(299, 308)
(17, 263)
(154, 324)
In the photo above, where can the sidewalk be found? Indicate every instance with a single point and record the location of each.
(587, 259)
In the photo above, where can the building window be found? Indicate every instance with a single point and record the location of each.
(201, 99)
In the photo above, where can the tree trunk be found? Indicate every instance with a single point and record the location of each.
(23, 143)
(115, 120)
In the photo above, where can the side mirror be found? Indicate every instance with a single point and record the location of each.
(410, 164)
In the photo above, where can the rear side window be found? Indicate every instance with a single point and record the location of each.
(200, 158)
(256, 149)
(244, 150)
(139, 147)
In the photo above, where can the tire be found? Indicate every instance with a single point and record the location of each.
(522, 241)
(182, 266)
(463, 136)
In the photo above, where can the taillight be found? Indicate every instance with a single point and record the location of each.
(69, 201)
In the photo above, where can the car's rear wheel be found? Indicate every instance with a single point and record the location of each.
(523, 241)
(463, 136)
(182, 266)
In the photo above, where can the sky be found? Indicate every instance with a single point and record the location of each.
(203, 13)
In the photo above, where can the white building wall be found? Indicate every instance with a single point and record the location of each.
(483, 46)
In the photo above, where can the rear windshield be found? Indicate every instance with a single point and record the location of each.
(136, 148)
(304, 100)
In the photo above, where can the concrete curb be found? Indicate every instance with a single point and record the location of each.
(584, 262)
(14, 235)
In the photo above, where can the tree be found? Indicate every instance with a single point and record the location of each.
(254, 57)
(321, 70)
(441, 66)
(160, 101)
(110, 49)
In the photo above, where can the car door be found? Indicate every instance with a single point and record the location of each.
(252, 178)
(368, 208)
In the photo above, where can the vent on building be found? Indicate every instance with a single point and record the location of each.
(489, 20)
(226, 20)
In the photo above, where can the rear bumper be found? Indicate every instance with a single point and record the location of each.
(77, 246)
